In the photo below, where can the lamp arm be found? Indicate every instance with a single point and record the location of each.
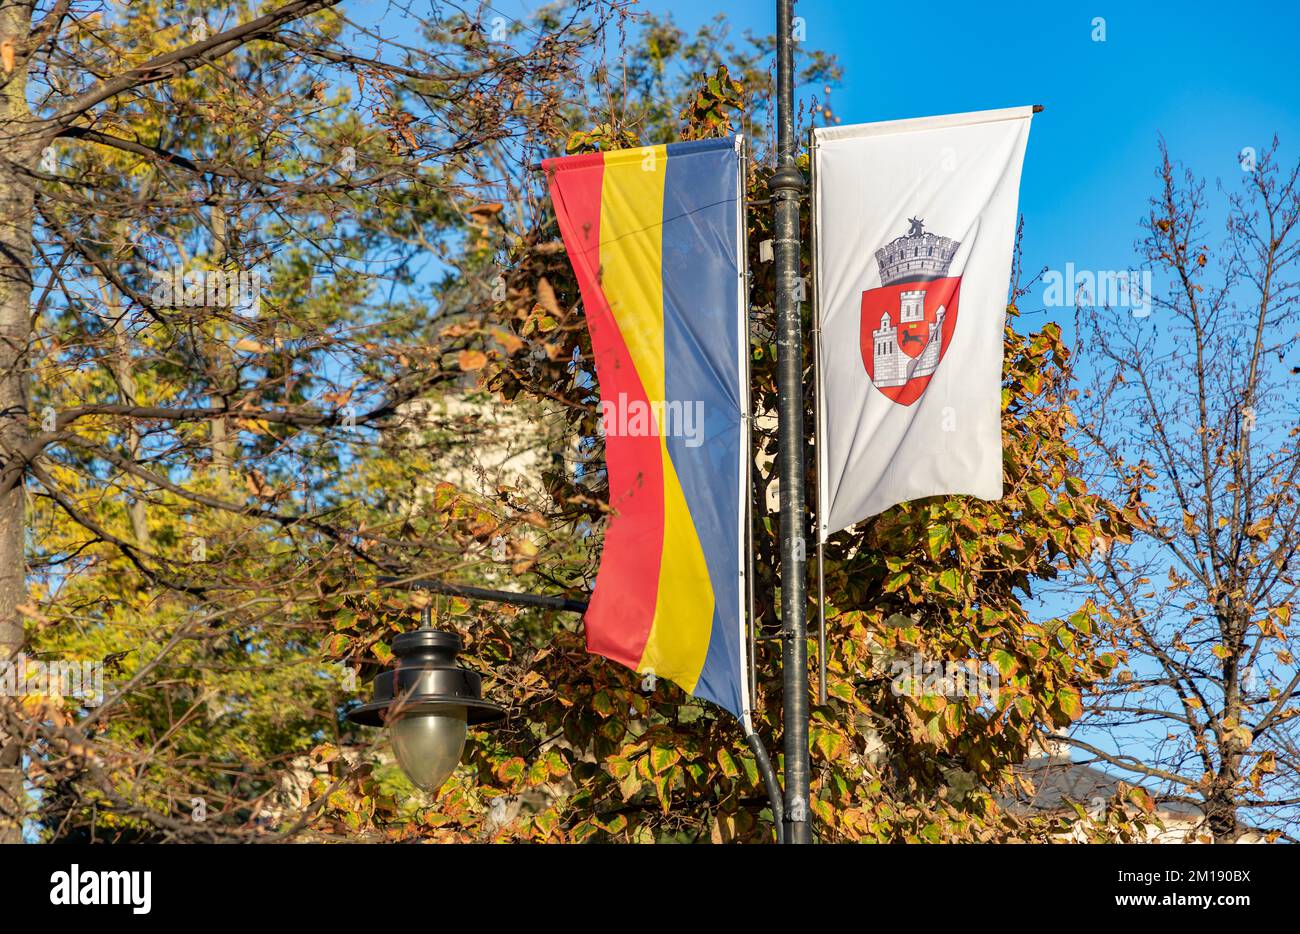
(544, 601)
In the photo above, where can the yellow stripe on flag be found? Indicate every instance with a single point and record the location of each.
(631, 235)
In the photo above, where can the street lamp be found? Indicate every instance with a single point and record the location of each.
(427, 703)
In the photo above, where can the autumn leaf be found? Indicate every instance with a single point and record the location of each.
(509, 342)
(1004, 661)
(482, 213)
(1069, 702)
(470, 360)
(546, 297)
(727, 763)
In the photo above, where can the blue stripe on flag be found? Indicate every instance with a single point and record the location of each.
(702, 375)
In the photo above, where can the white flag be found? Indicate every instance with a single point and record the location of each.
(915, 223)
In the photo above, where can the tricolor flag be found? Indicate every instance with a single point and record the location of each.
(656, 239)
(915, 224)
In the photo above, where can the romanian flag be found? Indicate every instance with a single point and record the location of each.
(656, 239)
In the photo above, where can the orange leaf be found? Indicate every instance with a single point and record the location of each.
(470, 360)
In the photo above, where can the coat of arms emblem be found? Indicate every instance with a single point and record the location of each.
(909, 321)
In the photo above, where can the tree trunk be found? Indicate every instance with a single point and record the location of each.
(1221, 815)
(16, 200)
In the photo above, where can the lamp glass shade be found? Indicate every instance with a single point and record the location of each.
(428, 744)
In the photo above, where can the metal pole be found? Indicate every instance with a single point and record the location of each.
(787, 185)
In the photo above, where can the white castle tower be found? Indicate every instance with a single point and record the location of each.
(917, 257)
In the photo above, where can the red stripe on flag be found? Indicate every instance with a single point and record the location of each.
(622, 607)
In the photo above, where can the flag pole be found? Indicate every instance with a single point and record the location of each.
(761, 758)
(787, 186)
(820, 528)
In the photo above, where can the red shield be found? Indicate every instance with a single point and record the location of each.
(906, 330)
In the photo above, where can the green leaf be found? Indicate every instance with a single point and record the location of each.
(663, 758)
(538, 772)
(895, 581)
(826, 742)
(617, 766)
(938, 538)
(728, 764)
(556, 764)
(616, 824)
(546, 822)
(1069, 702)
(512, 770)
(1003, 661)
(630, 785)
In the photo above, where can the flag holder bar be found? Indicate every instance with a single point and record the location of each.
(748, 425)
(818, 450)
(761, 758)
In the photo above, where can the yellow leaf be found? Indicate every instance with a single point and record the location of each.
(546, 297)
